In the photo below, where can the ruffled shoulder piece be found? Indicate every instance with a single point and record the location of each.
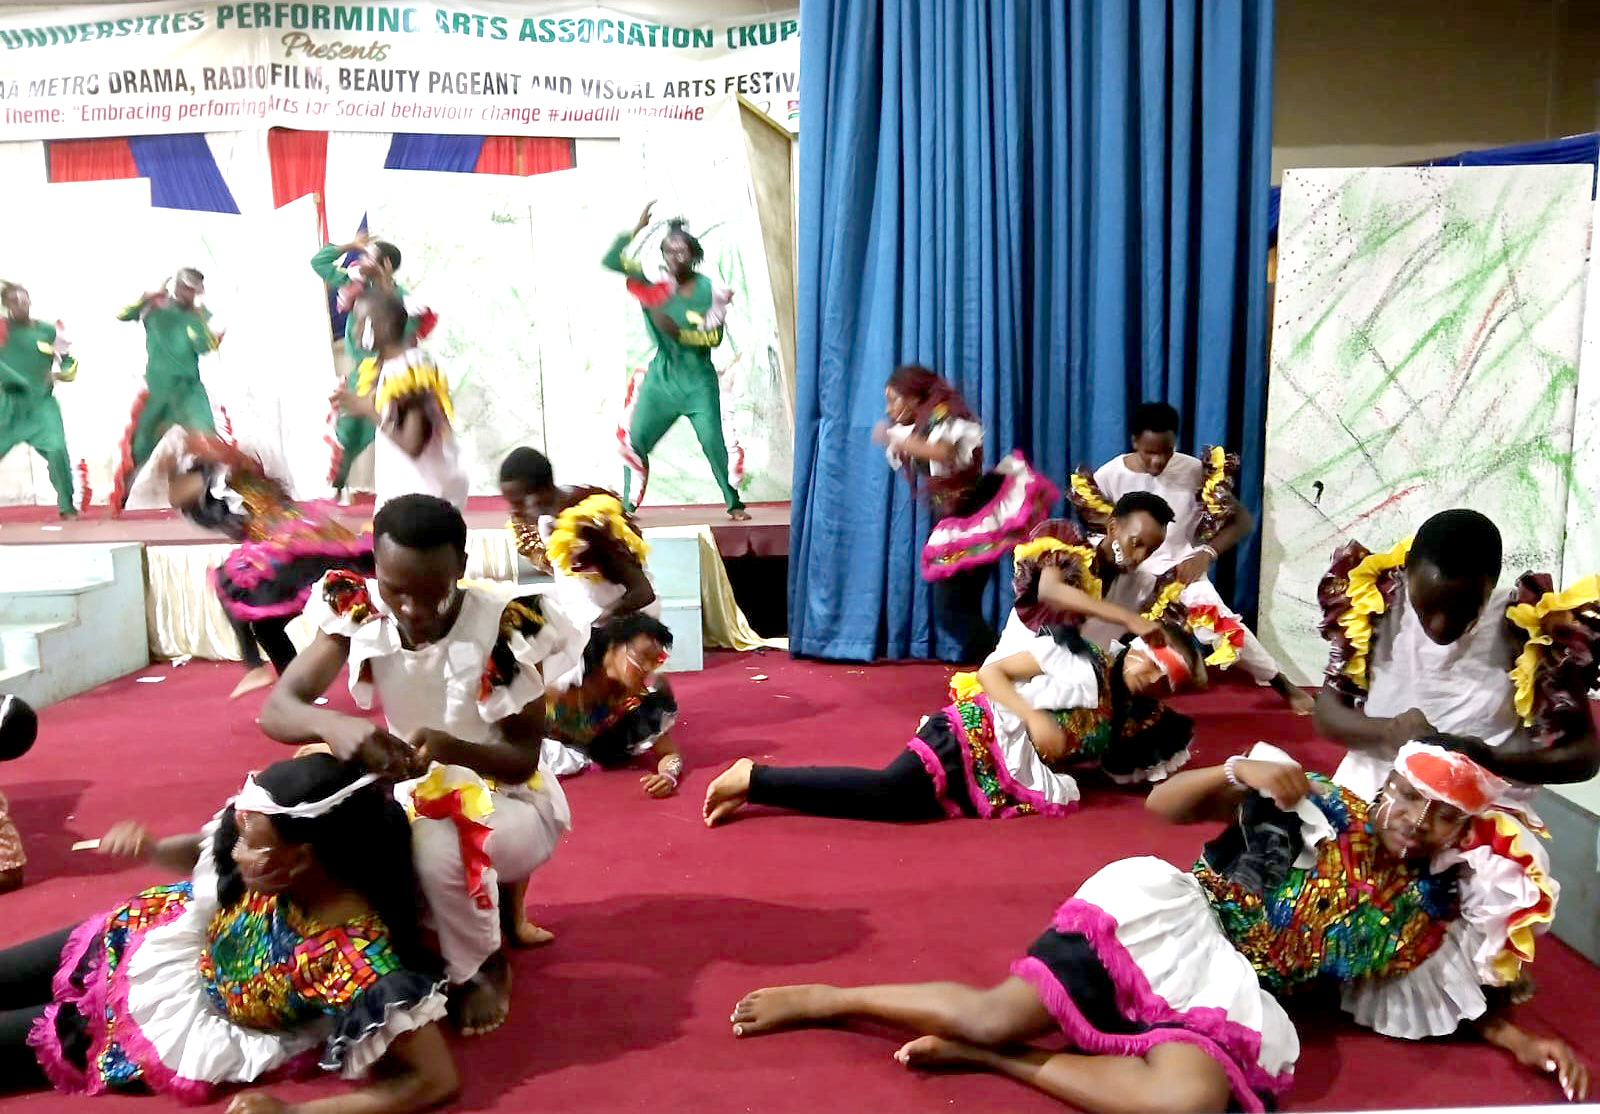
(1054, 543)
(535, 640)
(1359, 586)
(420, 378)
(1508, 897)
(598, 517)
(1092, 504)
(349, 603)
(1216, 499)
(1209, 626)
(1557, 666)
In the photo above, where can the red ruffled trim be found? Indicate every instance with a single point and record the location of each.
(970, 551)
(1569, 668)
(119, 488)
(649, 294)
(346, 594)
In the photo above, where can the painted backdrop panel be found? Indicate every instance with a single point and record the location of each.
(1424, 356)
(1582, 553)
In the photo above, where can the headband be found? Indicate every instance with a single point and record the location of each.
(1172, 663)
(1454, 779)
(253, 798)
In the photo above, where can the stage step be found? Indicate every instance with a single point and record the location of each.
(71, 617)
(1572, 813)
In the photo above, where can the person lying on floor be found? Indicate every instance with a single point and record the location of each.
(617, 710)
(1165, 982)
(461, 675)
(1421, 641)
(19, 726)
(292, 946)
(1008, 741)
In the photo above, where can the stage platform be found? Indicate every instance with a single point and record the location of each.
(765, 535)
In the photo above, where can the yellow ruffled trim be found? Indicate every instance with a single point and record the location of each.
(1530, 617)
(1365, 602)
(565, 546)
(1164, 599)
(1520, 928)
(1089, 496)
(1216, 463)
(366, 376)
(1084, 556)
(477, 803)
(965, 686)
(1222, 652)
(413, 380)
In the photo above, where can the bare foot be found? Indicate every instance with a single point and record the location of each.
(938, 1052)
(10, 879)
(739, 515)
(260, 677)
(727, 792)
(1299, 700)
(773, 1007)
(515, 926)
(483, 1004)
(1521, 991)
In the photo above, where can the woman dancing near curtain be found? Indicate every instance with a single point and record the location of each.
(934, 438)
(620, 711)
(583, 536)
(1009, 740)
(1164, 981)
(684, 312)
(293, 946)
(287, 548)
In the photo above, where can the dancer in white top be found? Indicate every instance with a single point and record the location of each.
(1207, 522)
(405, 394)
(461, 674)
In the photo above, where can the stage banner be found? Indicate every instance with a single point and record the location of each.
(464, 69)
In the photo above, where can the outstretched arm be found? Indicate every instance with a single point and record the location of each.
(1576, 759)
(1542, 1054)
(291, 714)
(418, 1073)
(1056, 594)
(130, 839)
(1379, 736)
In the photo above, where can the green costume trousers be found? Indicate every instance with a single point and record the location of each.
(36, 422)
(353, 434)
(182, 403)
(663, 399)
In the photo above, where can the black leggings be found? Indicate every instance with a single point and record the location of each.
(25, 974)
(900, 792)
(958, 606)
(270, 635)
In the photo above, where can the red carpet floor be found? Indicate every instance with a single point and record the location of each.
(663, 924)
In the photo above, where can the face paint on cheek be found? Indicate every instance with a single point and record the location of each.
(1117, 553)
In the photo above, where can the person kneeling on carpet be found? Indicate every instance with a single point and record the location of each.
(1008, 740)
(19, 726)
(1165, 982)
(293, 946)
(617, 710)
(461, 673)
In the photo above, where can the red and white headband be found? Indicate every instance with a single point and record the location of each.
(1172, 663)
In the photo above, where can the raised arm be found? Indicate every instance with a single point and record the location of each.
(326, 261)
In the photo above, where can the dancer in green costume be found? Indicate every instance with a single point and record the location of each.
(684, 312)
(177, 332)
(29, 413)
(375, 269)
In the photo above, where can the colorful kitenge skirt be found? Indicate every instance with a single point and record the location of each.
(1020, 500)
(272, 578)
(1137, 958)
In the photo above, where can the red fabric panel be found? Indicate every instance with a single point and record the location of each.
(90, 160)
(299, 166)
(524, 155)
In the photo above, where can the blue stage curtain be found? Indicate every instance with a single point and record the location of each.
(457, 153)
(183, 173)
(1059, 204)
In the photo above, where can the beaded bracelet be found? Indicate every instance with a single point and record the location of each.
(1228, 771)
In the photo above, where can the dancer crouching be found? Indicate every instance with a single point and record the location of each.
(1163, 981)
(1006, 743)
(461, 674)
(293, 946)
